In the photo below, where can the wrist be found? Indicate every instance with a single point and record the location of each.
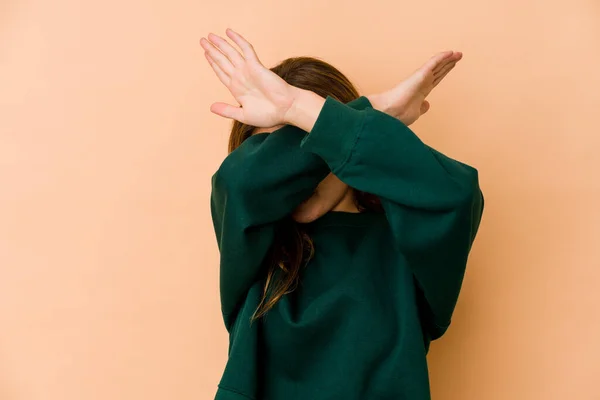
(381, 103)
(304, 109)
(376, 102)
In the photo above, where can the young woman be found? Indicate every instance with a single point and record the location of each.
(343, 237)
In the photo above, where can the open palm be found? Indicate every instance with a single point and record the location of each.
(264, 97)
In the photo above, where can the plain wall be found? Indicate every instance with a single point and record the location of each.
(108, 261)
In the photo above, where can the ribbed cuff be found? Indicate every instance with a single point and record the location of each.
(335, 133)
(360, 103)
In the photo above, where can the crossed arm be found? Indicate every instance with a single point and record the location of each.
(267, 100)
(432, 202)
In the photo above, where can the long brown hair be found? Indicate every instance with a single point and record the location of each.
(293, 247)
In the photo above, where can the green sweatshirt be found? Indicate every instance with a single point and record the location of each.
(380, 287)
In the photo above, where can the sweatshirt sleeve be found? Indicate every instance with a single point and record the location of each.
(256, 186)
(433, 203)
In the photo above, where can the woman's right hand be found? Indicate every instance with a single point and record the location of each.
(264, 97)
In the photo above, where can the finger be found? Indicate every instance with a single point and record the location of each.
(223, 77)
(443, 74)
(227, 111)
(454, 58)
(232, 54)
(243, 44)
(425, 107)
(436, 60)
(444, 70)
(440, 78)
(217, 56)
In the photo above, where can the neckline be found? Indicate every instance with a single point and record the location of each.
(344, 218)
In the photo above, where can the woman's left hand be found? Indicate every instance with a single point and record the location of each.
(265, 98)
(406, 101)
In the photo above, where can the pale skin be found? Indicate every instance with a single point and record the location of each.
(268, 103)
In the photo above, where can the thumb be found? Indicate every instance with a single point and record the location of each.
(227, 111)
(424, 107)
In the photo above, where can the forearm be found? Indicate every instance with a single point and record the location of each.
(267, 176)
(307, 105)
(305, 109)
(376, 153)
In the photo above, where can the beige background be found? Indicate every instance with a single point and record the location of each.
(109, 274)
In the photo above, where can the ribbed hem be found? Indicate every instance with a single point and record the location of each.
(335, 133)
